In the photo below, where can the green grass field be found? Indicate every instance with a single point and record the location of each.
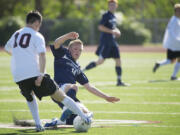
(151, 97)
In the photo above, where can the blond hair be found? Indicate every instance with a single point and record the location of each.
(176, 6)
(76, 41)
(116, 1)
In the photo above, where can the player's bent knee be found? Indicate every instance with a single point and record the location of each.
(75, 87)
(173, 61)
(58, 95)
(29, 98)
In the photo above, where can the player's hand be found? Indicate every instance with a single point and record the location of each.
(38, 80)
(112, 99)
(73, 35)
(116, 32)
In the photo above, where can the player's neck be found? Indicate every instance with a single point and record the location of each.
(111, 11)
(178, 16)
(31, 26)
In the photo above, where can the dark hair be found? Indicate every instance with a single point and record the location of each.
(33, 16)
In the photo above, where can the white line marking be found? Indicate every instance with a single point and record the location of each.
(102, 123)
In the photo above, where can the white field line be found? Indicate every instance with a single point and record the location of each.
(99, 112)
(104, 123)
(105, 83)
(101, 126)
(9, 88)
(93, 102)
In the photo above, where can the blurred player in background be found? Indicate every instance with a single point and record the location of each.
(108, 47)
(172, 43)
(67, 72)
(27, 47)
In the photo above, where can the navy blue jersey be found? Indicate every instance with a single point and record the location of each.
(66, 70)
(109, 21)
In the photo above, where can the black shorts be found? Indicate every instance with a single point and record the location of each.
(48, 87)
(108, 51)
(172, 54)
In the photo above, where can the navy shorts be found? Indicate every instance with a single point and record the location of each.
(172, 54)
(108, 49)
(48, 87)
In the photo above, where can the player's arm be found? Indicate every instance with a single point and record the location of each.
(8, 52)
(60, 40)
(42, 62)
(98, 93)
(115, 32)
(42, 66)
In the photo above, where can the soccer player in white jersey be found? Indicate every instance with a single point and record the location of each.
(27, 47)
(172, 43)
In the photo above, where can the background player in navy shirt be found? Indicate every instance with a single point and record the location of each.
(108, 47)
(67, 71)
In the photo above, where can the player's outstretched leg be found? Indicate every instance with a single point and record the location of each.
(161, 63)
(69, 103)
(90, 66)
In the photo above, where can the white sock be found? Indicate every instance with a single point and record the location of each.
(164, 62)
(69, 103)
(176, 69)
(33, 107)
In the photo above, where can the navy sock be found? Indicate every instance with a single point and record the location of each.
(72, 93)
(119, 72)
(90, 65)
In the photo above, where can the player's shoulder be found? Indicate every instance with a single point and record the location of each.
(106, 13)
(38, 35)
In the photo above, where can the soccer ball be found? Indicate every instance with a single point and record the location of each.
(80, 125)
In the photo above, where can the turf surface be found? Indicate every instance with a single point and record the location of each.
(151, 97)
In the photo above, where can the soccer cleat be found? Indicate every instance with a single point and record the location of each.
(89, 117)
(53, 123)
(174, 78)
(88, 120)
(156, 66)
(39, 128)
(120, 83)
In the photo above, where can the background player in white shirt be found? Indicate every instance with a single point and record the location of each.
(171, 42)
(27, 47)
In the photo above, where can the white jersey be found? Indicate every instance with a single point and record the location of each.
(172, 34)
(25, 45)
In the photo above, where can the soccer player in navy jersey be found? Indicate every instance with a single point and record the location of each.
(108, 47)
(67, 72)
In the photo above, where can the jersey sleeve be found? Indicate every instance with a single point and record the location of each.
(40, 44)
(82, 79)
(9, 45)
(103, 20)
(58, 52)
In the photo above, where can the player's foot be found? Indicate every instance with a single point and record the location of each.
(156, 66)
(174, 78)
(39, 128)
(88, 120)
(90, 114)
(53, 123)
(120, 83)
